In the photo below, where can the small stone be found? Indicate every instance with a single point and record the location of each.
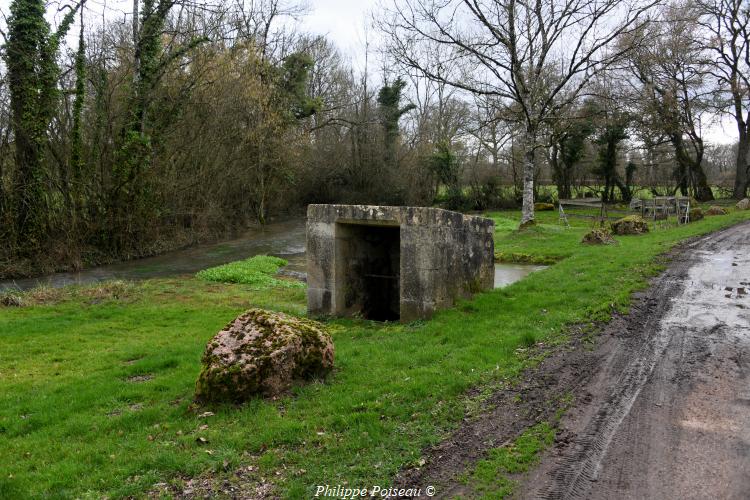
(743, 204)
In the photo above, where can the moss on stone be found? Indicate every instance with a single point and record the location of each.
(262, 353)
(599, 237)
(632, 224)
(716, 210)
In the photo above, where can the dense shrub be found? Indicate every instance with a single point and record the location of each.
(456, 199)
(490, 195)
(696, 214)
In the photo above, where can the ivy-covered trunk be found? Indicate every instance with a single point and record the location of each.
(31, 59)
(76, 146)
(742, 178)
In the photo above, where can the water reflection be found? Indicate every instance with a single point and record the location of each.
(284, 239)
(506, 274)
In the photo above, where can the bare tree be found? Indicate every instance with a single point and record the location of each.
(537, 55)
(726, 25)
(672, 71)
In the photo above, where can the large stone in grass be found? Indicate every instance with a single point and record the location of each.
(743, 204)
(632, 224)
(598, 237)
(262, 353)
(715, 210)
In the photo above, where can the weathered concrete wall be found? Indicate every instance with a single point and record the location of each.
(439, 256)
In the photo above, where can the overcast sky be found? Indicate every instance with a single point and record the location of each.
(343, 21)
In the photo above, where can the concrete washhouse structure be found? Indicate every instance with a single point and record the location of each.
(394, 263)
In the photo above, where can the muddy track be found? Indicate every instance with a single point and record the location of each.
(668, 414)
(648, 395)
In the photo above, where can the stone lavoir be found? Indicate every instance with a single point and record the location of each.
(394, 263)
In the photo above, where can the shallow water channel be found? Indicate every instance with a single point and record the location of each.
(283, 239)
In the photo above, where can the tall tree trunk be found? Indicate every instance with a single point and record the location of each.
(690, 171)
(527, 208)
(742, 177)
(701, 188)
(561, 172)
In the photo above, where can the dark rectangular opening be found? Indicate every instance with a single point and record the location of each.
(368, 270)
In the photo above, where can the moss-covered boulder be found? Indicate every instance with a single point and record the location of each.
(543, 207)
(743, 204)
(632, 224)
(696, 214)
(599, 237)
(262, 353)
(714, 210)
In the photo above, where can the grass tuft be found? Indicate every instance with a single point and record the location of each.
(528, 339)
(257, 271)
(115, 290)
(490, 477)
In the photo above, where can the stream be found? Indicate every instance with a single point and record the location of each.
(283, 239)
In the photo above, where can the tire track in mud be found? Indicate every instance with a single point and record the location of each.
(584, 463)
(675, 352)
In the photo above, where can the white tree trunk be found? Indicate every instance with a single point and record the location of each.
(527, 209)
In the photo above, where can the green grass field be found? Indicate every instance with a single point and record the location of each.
(96, 386)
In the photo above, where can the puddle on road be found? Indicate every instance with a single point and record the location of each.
(717, 294)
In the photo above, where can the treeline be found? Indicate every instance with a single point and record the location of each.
(185, 121)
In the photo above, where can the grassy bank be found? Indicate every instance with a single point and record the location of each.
(95, 388)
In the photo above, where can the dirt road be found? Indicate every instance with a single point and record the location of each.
(666, 414)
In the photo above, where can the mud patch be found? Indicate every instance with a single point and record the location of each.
(664, 419)
(139, 379)
(508, 412)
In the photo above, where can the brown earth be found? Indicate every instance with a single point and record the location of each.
(661, 396)
(667, 413)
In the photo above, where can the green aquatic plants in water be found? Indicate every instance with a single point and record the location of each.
(259, 271)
